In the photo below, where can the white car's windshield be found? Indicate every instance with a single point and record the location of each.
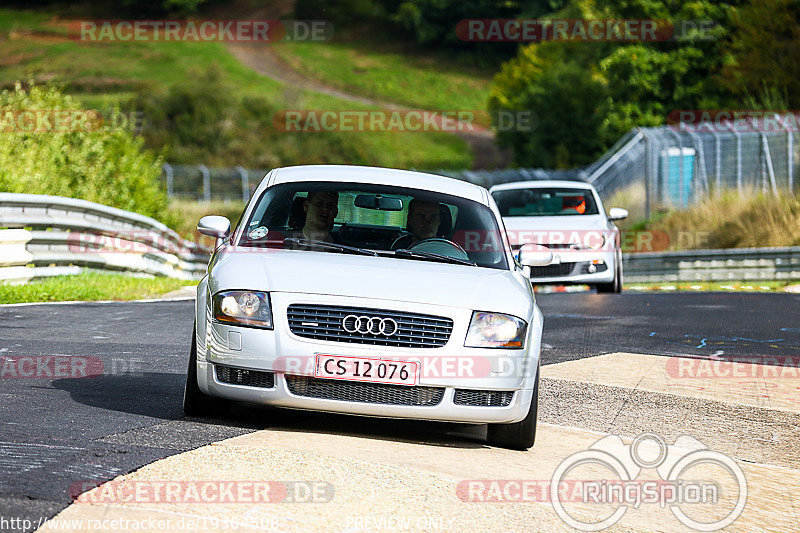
(545, 202)
(387, 220)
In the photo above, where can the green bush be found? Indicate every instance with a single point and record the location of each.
(99, 161)
(205, 120)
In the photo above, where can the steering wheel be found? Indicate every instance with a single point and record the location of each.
(440, 246)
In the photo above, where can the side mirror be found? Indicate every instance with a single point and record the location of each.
(617, 213)
(535, 255)
(214, 226)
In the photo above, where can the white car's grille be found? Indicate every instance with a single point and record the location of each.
(552, 271)
(248, 378)
(483, 398)
(388, 328)
(354, 391)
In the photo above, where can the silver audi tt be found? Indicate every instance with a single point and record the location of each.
(369, 291)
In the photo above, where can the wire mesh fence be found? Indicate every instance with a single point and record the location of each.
(677, 165)
(201, 183)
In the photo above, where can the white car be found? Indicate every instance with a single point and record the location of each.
(369, 318)
(568, 218)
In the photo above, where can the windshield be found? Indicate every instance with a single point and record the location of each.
(545, 202)
(327, 217)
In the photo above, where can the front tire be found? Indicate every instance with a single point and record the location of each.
(616, 285)
(518, 435)
(195, 401)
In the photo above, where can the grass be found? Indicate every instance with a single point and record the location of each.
(89, 286)
(188, 213)
(103, 74)
(732, 220)
(390, 73)
(714, 286)
(750, 219)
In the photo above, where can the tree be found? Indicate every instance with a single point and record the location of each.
(606, 88)
(50, 145)
(765, 45)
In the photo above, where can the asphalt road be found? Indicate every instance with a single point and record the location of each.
(57, 431)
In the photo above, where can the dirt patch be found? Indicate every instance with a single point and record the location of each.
(261, 58)
(17, 59)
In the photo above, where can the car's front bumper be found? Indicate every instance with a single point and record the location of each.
(573, 267)
(281, 352)
(446, 410)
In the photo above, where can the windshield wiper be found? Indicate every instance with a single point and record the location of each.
(330, 246)
(403, 252)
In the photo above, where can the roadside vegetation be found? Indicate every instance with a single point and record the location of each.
(83, 157)
(392, 72)
(733, 220)
(89, 286)
(750, 219)
(200, 104)
(721, 286)
(187, 213)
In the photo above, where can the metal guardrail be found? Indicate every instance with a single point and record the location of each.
(51, 235)
(738, 264)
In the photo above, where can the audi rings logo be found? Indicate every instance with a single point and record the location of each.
(369, 324)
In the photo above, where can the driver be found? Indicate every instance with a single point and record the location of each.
(423, 220)
(422, 223)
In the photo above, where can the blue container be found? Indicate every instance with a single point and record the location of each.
(674, 190)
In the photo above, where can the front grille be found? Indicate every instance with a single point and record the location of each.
(354, 391)
(483, 398)
(551, 271)
(248, 378)
(324, 322)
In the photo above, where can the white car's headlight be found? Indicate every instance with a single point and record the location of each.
(243, 308)
(591, 242)
(495, 330)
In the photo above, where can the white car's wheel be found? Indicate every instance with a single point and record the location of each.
(519, 435)
(616, 285)
(195, 401)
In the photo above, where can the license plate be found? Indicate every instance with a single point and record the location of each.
(366, 369)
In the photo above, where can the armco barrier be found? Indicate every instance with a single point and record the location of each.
(51, 235)
(737, 264)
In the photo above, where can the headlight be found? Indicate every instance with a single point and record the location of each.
(591, 241)
(243, 308)
(495, 330)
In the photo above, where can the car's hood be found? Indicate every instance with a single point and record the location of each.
(557, 229)
(404, 280)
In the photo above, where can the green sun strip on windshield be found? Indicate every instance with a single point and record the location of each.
(351, 214)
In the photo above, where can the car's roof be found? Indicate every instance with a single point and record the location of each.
(538, 184)
(378, 176)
